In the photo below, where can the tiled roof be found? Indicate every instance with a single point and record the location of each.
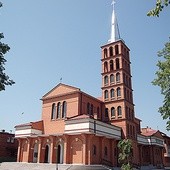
(148, 132)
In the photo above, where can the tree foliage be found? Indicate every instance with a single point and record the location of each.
(160, 4)
(125, 154)
(4, 48)
(163, 81)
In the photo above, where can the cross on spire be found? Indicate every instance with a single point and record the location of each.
(115, 35)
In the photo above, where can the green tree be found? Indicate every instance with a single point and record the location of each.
(163, 81)
(4, 48)
(125, 154)
(160, 4)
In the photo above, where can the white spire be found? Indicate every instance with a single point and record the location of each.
(114, 26)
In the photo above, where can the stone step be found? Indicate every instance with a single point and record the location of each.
(43, 166)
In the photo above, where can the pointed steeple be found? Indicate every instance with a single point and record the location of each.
(115, 35)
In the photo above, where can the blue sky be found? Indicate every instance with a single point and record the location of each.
(62, 38)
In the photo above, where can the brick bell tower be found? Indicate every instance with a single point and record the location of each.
(117, 90)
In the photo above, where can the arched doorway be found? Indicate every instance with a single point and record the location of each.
(47, 154)
(35, 153)
(60, 152)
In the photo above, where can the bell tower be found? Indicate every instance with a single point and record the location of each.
(117, 90)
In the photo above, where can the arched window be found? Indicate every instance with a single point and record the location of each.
(117, 63)
(130, 129)
(112, 79)
(58, 110)
(118, 92)
(127, 112)
(91, 111)
(128, 94)
(106, 112)
(88, 108)
(105, 66)
(111, 51)
(125, 93)
(111, 65)
(105, 53)
(112, 93)
(53, 111)
(116, 49)
(117, 77)
(124, 81)
(112, 112)
(64, 109)
(105, 151)
(131, 100)
(129, 82)
(119, 111)
(130, 115)
(94, 149)
(105, 80)
(106, 94)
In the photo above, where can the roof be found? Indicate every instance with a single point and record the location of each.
(37, 125)
(25, 124)
(84, 116)
(60, 89)
(149, 133)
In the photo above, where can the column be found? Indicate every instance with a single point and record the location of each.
(66, 150)
(19, 151)
(39, 150)
(51, 149)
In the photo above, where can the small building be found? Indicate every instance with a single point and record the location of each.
(8, 147)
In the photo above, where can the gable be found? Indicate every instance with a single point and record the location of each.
(158, 134)
(60, 89)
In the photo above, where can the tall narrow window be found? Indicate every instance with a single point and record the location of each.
(116, 49)
(112, 112)
(58, 110)
(117, 77)
(111, 65)
(105, 80)
(117, 63)
(98, 112)
(106, 94)
(64, 109)
(127, 112)
(91, 111)
(118, 92)
(106, 112)
(112, 79)
(105, 53)
(111, 51)
(125, 93)
(112, 93)
(119, 111)
(105, 67)
(105, 151)
(88, 108)
(53, 111)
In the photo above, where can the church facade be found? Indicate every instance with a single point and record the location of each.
(77, 128)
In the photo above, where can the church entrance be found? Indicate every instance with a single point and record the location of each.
(60, 154)
(47, 154)
(35, 153)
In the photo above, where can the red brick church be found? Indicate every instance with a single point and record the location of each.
(77, 128)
